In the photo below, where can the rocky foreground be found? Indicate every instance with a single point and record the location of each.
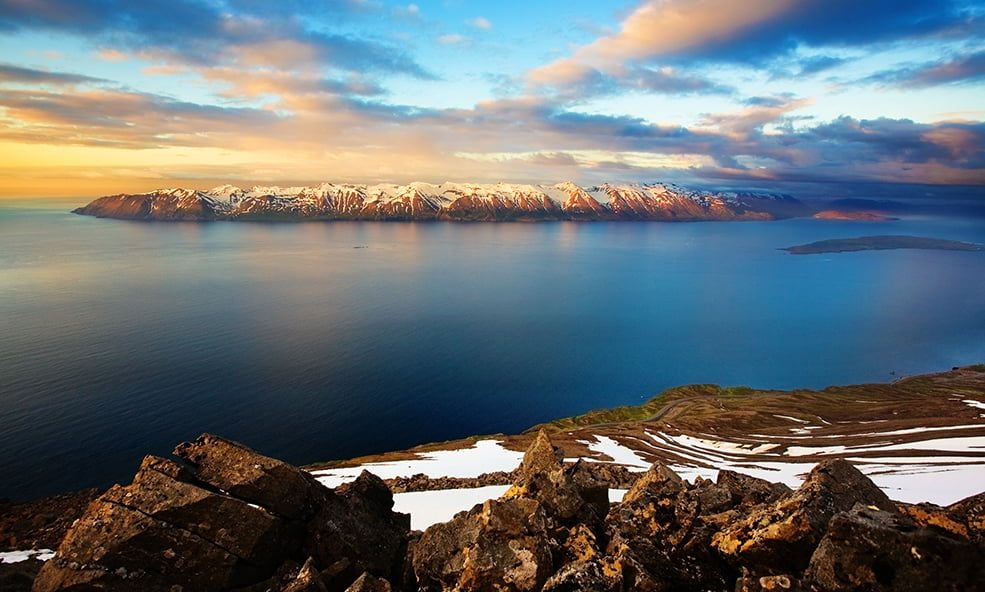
(448, 201)
(223, 517)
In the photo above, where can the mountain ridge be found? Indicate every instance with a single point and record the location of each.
(447, 201)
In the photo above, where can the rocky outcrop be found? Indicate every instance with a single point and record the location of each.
(448, 201)
(230, 518)
(224, 517)
(784, 534)
(871, 549)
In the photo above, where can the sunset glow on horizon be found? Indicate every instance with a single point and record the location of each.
(104, 96)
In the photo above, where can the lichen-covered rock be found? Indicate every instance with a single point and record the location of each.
(587, 576)
(243, 473)
(561, 490)
(661, 522)
(621, 563)
(971, 513)
(582, 565)
(869, 549)
(782, 536)
(501, 546)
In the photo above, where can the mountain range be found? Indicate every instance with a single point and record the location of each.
(448, 201)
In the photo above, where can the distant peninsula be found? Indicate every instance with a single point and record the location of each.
(448, 201)
(879, 243)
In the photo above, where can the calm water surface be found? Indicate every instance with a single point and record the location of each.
(122, 338)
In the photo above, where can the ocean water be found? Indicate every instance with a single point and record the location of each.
(316, 341)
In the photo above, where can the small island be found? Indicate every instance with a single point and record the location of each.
(860, 216)
(880, 243)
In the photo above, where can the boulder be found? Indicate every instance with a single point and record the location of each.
(163, 530)
(164, 491)
(356, 525)
(237, 470)
(782, 536)
(661, 523)
(749, 491)
(543, 477)
(233, 519)
(870, 549)
(500, 545)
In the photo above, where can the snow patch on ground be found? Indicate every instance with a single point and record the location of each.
(935, 472)
(975, 404)
(432, 507)
(486, 456)
(18, 556)
(620, 455)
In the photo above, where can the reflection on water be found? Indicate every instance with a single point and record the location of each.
(121, 338)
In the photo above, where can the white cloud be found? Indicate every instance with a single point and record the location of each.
(453, 39)
(480, 22)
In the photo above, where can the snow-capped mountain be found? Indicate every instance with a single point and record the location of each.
(448, 201)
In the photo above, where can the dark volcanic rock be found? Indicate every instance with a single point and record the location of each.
(368, 583)
(874, 550)
(18, 577)
(777, 583)
(307, 580)
(356, 525)
(783, 535)
(41, 524)
(747, 491)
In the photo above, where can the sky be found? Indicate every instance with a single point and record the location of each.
(106, 96)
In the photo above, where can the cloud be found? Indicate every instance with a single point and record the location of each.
(958, 70)
(339, 136)
(756, 31)
(21, 75)
(120, 118)
(112, 55)
(203, 32)
(799, 66)
(297, 101)
(480, 22)
(572, 81)
(454, 39)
